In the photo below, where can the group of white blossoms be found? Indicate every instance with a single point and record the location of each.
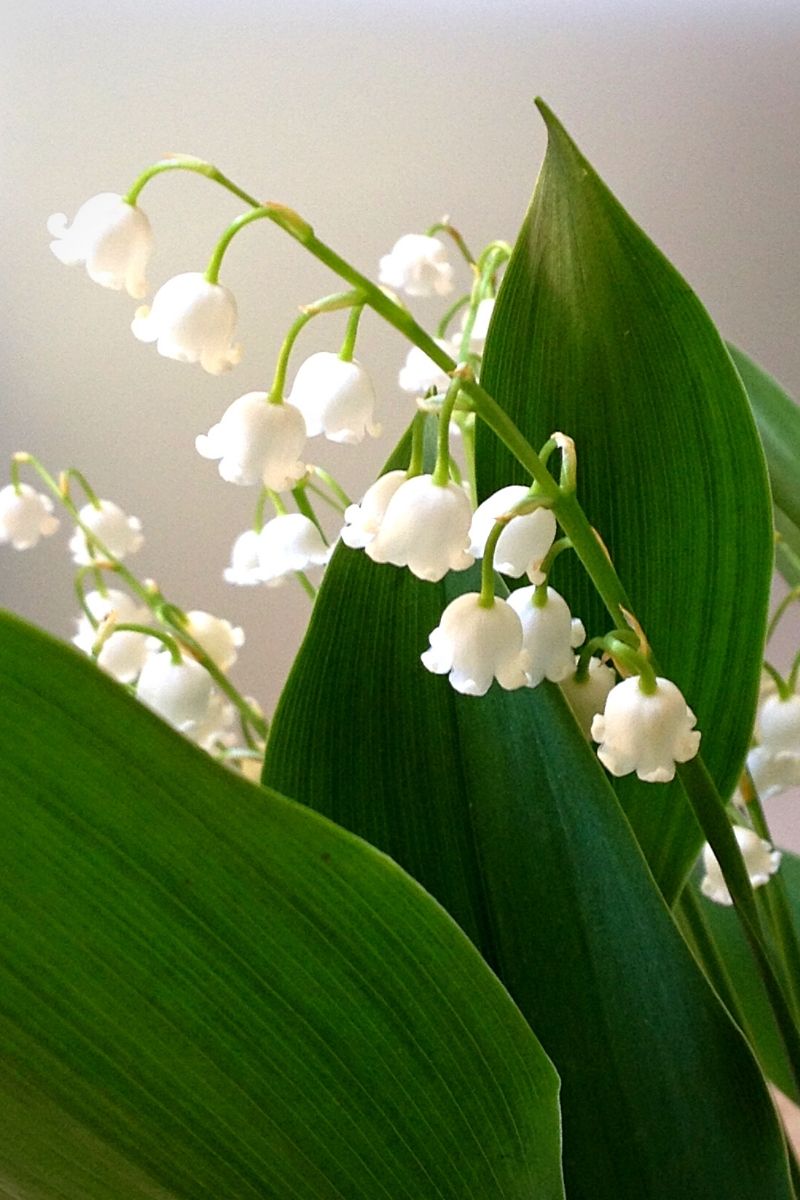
(418, 521)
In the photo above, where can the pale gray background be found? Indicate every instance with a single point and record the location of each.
(372, 120)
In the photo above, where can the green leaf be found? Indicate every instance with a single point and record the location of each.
(778, 420)
(596, 335)
(499, 807)
(720, 945)
(209, 991)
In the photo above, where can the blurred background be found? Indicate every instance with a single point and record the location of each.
(372, 120)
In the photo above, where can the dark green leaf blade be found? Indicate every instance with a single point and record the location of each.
(596, 335)
(207, 990)
(501, 809)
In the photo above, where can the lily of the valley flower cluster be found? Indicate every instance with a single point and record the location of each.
(424, 521)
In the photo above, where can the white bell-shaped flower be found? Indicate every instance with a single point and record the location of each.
(475, 645)
(124, 653)
(550, 634)
(216, 728)
(112, 237)
(362, 521)
(779, 724)
(645, 733)
(426, 528)
(525, 540)
(588, 697)
(417, 265)
(774, 771)
(480, 326)
(218, 637)
(178, 692)
(288, 543)
(120, 534)
(25, 516)
(420, 374)
(335, 397)
(759, 857)
(257, 442)
(244, 569)
(191, 320)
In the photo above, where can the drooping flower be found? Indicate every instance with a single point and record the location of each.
(335, 397)
(215, 729)
(420, 373)
(218, 637)
(244, 569)
(123, 653)
(426, 528)
(288, 543)
(759, 857)
(525, 540)
(191, 320)
(779, 723)
(178, 692)
(112, 237)
(25, 516)
(418, 266)
(550, 634)
(645, 733)
(475, 644)
(257, 442)
(773, 771)
(120, 535)
(362, 521)
(588, 697)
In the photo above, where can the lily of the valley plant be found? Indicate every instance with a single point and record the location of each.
(488, 909)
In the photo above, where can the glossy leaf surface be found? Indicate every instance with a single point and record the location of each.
(209, 991)
(596, 335)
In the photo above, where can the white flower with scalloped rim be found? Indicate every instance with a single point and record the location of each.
(178, 692)
(288, 543)
(774, 771)
(124, 653)
(120, 534)
(588, 697)
(550, 634)
(25, 516)
(218, 637)
(112, 237)
(257, 442)
(779, 723)
(759, 857)
(420, 374)
(417, 265)
(645, 733)
(191, 320)
(335, 397)
(476, 645)
(426, 528)
(525, 540)
(244, 570)
(363, 520)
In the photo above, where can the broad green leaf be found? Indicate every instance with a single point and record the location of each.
(719, 943)
(778, 420)
(596, 335)
(500, 808)
(209, 991)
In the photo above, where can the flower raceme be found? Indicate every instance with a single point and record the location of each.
(111, 236)
(191, 320)
(335, 397)
(417, 265)
(257, 442)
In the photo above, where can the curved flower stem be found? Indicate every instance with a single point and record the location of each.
(187, 162)
(334, 486)
(451, 231)
(785, 603)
